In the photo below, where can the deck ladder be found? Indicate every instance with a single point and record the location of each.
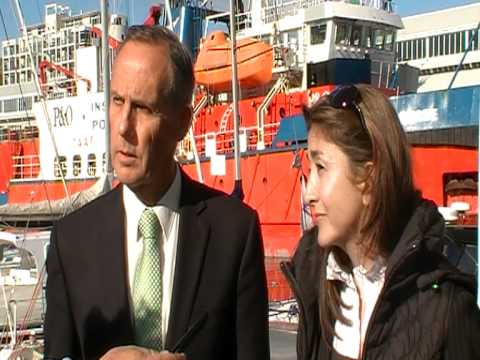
(225, 118)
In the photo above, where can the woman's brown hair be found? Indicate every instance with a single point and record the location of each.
(378, 138)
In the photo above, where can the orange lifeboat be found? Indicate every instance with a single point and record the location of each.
(213, 67)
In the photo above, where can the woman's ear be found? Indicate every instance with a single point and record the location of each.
(366, 183)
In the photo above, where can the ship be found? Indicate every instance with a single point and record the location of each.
(291, 53)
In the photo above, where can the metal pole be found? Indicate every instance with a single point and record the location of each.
(106, 87)
(40, 94)
(238, 189)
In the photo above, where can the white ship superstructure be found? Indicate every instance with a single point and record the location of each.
(436, 42)
(66, 53)
(306, 34)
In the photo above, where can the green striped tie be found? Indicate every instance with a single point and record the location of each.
(147, 284)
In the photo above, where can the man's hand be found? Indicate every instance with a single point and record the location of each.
(138, 353)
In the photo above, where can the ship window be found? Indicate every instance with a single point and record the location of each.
(446, 41)
(318, 34)
(10, 105)
(389, 40)
(441, 42)
(343, 34)
(459, 42)
(477, 41)
(92, 165)
(60, 166)
(77, 165)
(379, 38)
(356, 37)
(104, 163)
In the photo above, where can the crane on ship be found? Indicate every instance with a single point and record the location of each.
(48, 65)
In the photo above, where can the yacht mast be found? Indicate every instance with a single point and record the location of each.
(238, 188)
(106, 88)
(40, 93)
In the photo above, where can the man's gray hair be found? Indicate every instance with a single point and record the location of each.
(181, 77)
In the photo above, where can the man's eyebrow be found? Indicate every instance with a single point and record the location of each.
(141, 103)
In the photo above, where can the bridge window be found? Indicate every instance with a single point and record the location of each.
(389, 37)
(318, 34)
(77, 165)
(356, 37)
(368, 37)
(92, 165)
(379, 38)
(60, 166)
(342, 35)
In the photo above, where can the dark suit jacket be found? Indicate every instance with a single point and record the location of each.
(219, 280)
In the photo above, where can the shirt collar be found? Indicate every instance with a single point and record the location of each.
(375, 274)
(169, 203)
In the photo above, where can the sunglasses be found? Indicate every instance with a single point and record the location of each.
(348, 97)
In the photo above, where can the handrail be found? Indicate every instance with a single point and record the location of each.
(224, 140)
(20, 133)
(25, 166)
(262, 109)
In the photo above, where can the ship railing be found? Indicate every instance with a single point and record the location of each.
(250, 136)
(243, 20)
(25, 167)
(18, 133)
(277, 9)
(381, 73)
(222, 143)
(280, 85)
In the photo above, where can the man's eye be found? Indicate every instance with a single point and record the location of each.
(143, 109)
(117, 100)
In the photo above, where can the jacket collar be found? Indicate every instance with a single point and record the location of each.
(193, 237)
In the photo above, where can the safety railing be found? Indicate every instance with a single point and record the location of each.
(26, 166)
(20, 133)
(224, 142)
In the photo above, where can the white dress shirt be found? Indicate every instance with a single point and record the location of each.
(167, 211)
(361, 291)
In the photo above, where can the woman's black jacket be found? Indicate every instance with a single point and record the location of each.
(426, 310)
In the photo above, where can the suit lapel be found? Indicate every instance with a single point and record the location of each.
(193, 235)
(112, 234)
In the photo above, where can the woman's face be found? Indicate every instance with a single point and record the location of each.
(335, 200)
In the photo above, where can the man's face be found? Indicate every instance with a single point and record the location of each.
(144, 127)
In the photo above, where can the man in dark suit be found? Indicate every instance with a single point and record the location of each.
(161, 255)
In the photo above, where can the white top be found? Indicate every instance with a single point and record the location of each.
(361, 291)
(168, 214)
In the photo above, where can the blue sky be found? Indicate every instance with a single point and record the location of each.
(137, 9)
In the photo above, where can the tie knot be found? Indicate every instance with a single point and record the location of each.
(149, 226)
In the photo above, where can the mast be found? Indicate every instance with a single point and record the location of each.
(39, 91)
(106, 88)
(238, 189)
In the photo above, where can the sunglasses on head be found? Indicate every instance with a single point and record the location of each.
(348, 97)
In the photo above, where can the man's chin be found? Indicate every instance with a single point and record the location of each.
(129, 179)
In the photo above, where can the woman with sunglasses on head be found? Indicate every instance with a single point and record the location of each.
(369, 278)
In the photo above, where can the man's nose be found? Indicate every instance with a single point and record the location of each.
(126, 120)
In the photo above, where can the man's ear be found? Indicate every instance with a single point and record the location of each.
(184, 121)
(366, 183)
